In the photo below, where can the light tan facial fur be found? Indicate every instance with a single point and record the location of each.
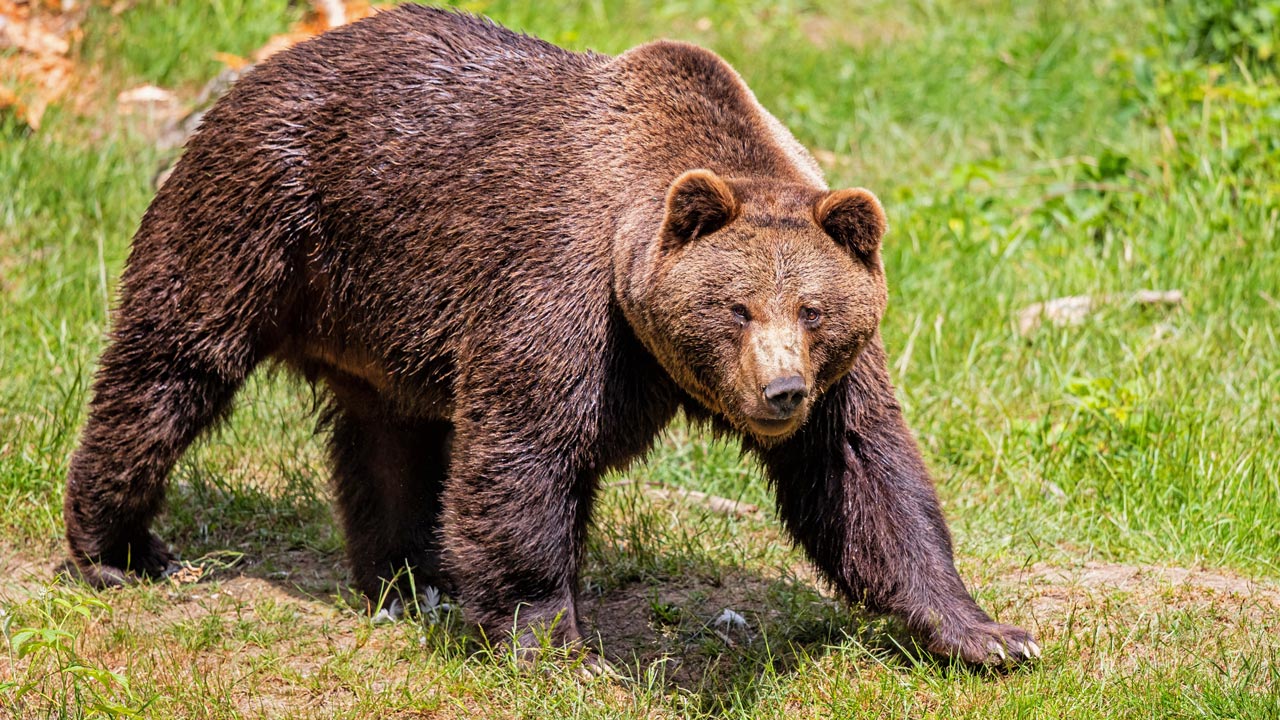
(764, 294)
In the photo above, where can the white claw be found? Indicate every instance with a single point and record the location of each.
(1035, 648)
(998, 649)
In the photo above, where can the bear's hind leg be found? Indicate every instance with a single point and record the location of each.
(388, 475)
(154, 394)
(209, 288)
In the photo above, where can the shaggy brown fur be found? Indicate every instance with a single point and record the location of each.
(511, 265)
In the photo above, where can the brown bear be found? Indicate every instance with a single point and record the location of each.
(509, 266)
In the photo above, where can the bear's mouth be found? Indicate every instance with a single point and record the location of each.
(773, 427)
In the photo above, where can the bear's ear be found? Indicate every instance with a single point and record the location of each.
(853, 218)
(698, 203)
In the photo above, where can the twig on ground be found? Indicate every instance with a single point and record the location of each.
(1074, 309)
(714, 503)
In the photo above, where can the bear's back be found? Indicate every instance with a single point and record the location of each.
(436, 161)
(426, 54)
(414, 80)
(415, 106)
(683, 107)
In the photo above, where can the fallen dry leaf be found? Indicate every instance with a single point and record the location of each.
(39, 71)
(146, 95)
(235, 62)
(30, 37)
(155, 105)
(326, 15)
(187, 575)
(333, 12)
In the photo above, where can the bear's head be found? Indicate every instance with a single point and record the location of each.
(760, 294)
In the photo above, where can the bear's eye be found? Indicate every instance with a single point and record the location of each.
(811, 316)
(740, 314)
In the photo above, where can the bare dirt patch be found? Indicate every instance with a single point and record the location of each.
(1057, 587)
(684, 623)
(1115, 617)
(267, 641)
(21, 572)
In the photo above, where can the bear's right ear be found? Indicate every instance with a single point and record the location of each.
(698, 203)
(853, 218)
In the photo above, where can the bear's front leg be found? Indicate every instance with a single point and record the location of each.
(515, 511)
(853, 490)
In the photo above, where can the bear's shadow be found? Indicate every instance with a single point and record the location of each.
(671, 616)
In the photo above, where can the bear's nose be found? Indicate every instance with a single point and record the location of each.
(785, 394)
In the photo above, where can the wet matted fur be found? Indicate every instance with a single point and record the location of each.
(509, 266)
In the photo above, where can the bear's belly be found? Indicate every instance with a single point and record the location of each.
(361, 381)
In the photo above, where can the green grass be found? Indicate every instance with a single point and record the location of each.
(1024, 151)
(177, 43)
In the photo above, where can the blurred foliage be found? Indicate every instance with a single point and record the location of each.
(1226, 30)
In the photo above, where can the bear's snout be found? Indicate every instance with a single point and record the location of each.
(785, 394)
(773, 384)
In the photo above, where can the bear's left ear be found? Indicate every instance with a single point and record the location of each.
(698, 203)
(853, 218)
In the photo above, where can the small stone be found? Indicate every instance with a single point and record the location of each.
(730, 619)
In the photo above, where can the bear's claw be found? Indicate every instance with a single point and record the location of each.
(989, 645)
